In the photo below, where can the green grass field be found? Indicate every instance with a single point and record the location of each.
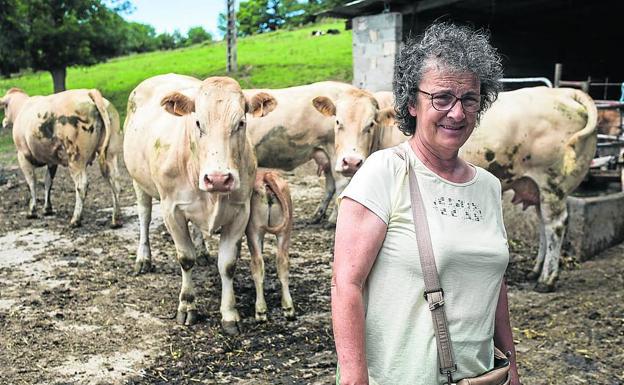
(272, 60)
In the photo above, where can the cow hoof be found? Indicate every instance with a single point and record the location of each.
(116, 225)
(541, 287)
(187, 318)
(532, 276)
(316, 219)
(289, 313)
(143, 267)
(230, 328)
(48, 212)
(329, 225)
(75, 224)
(261, 317)
(31, 216)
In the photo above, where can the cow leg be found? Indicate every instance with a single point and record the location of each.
(255, 237)
(143, 262)
(200, 242)
(49, 178)
(555, 216)
(29, 174)
(178, 227)
(341, 184)
(283, 266)
(230, 236)
(324, 165)
(79, 175)
(541, 253)
(110, 172)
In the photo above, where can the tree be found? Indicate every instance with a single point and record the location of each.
(13, 50)
(197, 35)
(165, 41)
(51, 35)
(139, 38)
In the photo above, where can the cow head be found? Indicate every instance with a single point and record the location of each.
(357, 128)
(12, 103)
(216, 130)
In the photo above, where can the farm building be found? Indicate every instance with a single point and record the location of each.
(584, 36)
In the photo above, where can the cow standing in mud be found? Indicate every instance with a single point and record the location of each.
(271, 212)
(70, 128)
(186, 144)
(295, 133)
(538, 141)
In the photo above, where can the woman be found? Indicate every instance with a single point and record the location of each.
(382, 324)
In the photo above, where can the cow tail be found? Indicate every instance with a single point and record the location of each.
(97, 98)
(282, 192)
(574, 146)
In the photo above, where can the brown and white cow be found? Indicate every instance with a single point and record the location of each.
(186, 144)
(295, 133)
(271, 212)
(70, 128)
(539, 142)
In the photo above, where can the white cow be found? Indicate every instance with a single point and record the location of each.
(70, 128)
(186, 144)
(539, 142)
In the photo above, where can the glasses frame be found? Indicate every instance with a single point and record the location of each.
(461, 101)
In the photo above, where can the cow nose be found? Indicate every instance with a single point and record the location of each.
(219, 182)
(350, 164)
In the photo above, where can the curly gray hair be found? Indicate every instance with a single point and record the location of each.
(454, 48)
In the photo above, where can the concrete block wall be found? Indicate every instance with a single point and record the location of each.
(594, 224)
(376, 41)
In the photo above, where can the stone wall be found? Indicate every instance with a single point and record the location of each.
(376, 41)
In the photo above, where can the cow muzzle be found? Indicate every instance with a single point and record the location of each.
(348, 165)
(222, 182)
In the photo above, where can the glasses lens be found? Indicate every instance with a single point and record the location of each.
(471, 104)
(443, 102)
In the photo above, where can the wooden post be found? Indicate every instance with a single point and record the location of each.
(230, 36)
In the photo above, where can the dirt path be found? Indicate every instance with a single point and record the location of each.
(71, 312)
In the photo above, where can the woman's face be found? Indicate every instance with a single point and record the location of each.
(444, 132)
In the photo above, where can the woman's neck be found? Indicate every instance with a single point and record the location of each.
(446, 165)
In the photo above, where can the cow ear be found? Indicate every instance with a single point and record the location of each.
(260, 104)
(324, 105)
(178, 104)
(386, 117)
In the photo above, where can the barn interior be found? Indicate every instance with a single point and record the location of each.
(532, 35)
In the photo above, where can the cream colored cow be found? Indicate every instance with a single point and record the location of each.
(271, 212)
(539, 142)
(70, 128)
(186, 144)
(295, 133)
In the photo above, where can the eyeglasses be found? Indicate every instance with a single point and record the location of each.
(445, 101)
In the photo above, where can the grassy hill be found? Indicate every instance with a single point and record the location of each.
(272, 60)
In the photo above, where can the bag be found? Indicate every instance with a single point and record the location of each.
(434, 294)
(497, 376)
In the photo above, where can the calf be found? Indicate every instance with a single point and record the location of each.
(186, 144)
(70, 128)
(271, 212)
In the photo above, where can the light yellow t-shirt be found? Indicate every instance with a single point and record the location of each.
(470, 247)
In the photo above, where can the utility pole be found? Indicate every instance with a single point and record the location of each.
(230, 36)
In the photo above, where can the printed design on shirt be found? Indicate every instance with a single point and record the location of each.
(458, 208)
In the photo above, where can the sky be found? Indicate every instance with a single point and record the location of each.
(169, 15)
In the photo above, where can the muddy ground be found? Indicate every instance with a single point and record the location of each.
(72, 312)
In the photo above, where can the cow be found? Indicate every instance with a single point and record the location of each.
(539, 142)
(70, 128)
(271, 212)
(185, 143)
(295, 133)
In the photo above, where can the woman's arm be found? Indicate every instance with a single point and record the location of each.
(503, 338)
(359, 236)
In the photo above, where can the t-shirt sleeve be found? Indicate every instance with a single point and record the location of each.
(371, 186)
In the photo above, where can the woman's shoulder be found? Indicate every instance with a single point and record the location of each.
(487, 178)
(388, 160)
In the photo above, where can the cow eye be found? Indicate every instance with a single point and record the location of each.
(201, 132)
(241, 124)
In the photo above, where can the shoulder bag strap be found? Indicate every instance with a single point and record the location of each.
(433, 290)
